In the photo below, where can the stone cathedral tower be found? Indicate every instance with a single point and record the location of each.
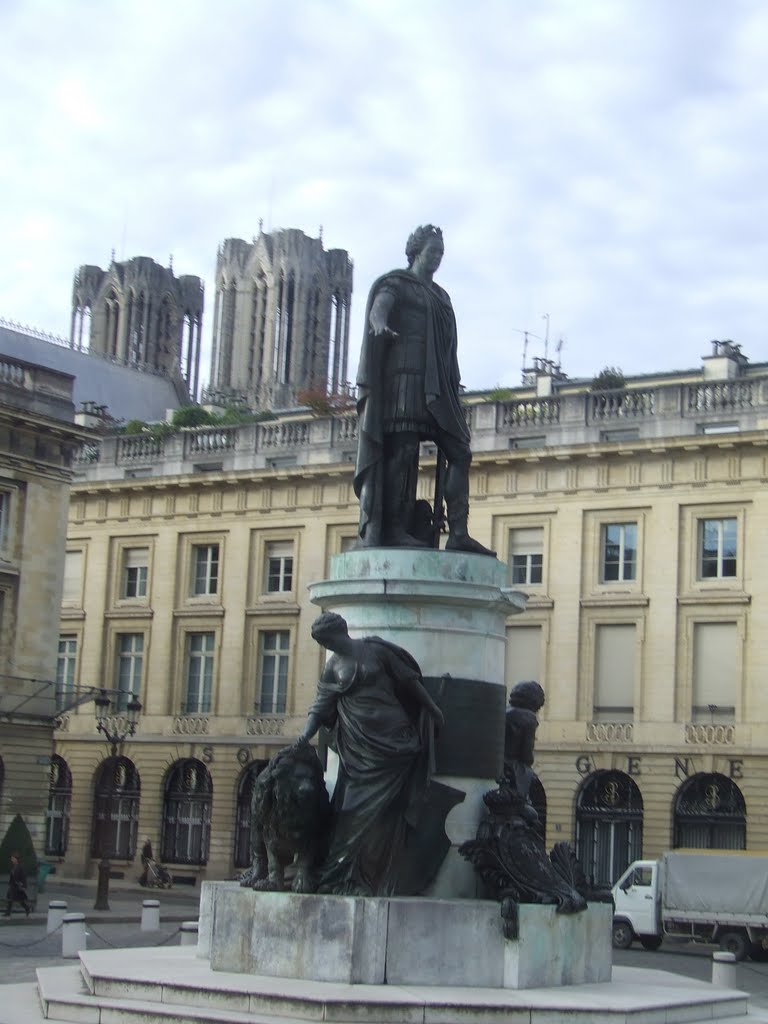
(281, 320)
(140, 313)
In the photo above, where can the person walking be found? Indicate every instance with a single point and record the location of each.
(17, 887)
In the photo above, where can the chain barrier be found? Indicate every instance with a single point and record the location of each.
(90, 930)
(171, 936)
(35, 942)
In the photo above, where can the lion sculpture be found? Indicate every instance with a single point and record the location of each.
(290, 820)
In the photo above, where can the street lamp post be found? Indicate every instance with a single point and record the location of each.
(115, 737)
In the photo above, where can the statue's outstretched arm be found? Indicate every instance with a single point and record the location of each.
(381, 307)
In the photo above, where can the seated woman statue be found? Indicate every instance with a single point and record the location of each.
(372, 699)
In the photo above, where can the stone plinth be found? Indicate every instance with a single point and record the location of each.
(449, 610)
(373, 941)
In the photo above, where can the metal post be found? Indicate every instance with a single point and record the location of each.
(102, 886)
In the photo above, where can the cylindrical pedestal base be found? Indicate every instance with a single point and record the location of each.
(448, 609)
(188, 933)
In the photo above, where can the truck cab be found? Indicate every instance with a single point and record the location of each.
(636, 906)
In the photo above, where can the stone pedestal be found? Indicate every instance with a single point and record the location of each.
(449, 610)
(376, 941)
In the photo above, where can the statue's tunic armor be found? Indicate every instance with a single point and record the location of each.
(406, 384)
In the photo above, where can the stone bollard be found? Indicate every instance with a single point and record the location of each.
(724, 970)
(73, 935)
(57, 911)
(188, 936)
(150, 915)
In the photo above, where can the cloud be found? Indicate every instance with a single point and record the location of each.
(602, 163)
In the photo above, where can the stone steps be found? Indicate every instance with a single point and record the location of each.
(173, 986)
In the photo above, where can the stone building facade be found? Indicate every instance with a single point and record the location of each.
(635, 519)
(142, 315)
(281, 318)
(38, 440)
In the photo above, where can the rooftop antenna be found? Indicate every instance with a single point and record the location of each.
(559, 348)
(527, 335)
(112, 257)
(261, 225)
(321, 233)
(545, 316)
(170, 261)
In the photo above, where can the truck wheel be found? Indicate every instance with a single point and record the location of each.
(651, 942)
(735, 942)
(622, 935)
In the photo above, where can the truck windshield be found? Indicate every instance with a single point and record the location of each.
(640, 876)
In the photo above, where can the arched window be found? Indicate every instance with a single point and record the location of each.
(243, 812)
(57, 814)
(115, 809)
(186, 813)
(609, 825)
(710, 814)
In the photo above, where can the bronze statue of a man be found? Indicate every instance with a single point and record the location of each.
(408, 392)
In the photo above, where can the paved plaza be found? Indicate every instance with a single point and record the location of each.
(24, 944)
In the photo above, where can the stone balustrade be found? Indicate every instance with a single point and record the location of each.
(572, 415)
(610, 732)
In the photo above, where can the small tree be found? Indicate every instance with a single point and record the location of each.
(609, 379)
(135, 427)
(192, 416)
(18, 840)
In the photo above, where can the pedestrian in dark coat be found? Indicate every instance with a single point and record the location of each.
(17, 887)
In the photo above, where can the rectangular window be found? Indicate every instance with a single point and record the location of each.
(73, 578)
(717, 549)
(619, 552)
(199, 673)
(205, 569)
(526, 559)
(523, 654)
(273, 664)
(66, 667)
(279, 567)
(130, 662)
(135, 569)
(614, 694)
(715, 661)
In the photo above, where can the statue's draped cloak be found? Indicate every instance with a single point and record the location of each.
(441, 389)
(385, 745)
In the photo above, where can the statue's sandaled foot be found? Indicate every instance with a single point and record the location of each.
(468, 544)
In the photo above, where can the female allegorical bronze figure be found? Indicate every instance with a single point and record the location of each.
(372, 698)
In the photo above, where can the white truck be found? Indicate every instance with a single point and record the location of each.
(716, 897)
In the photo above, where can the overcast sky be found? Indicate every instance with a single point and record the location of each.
(601, 161)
